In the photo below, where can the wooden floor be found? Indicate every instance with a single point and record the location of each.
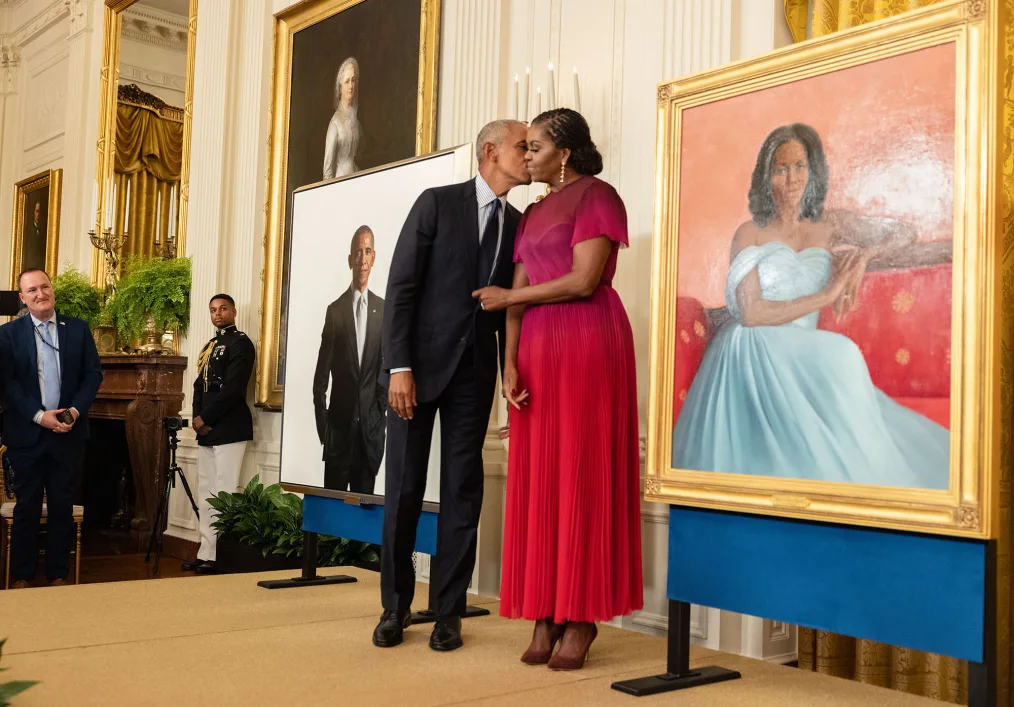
(109, 556)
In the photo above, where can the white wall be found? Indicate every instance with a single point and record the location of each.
(622, 49)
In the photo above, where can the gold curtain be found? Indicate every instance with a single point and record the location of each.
(149, 155)
(907, 670)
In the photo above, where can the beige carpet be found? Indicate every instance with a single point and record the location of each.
(224, 641)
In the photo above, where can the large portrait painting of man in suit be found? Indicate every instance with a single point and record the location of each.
(351, 422)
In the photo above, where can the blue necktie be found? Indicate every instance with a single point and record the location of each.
(487, 247)
(50, 370)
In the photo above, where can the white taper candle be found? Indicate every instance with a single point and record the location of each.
(577, 92)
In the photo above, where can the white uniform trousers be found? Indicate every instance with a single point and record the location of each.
(218, 469)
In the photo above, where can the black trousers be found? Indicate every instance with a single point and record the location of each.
(357, 475)
(464, 409)
(53, 468)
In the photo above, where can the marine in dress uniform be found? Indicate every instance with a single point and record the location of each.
(222, 419)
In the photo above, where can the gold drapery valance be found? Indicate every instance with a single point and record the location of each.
(149, 156)
(907, 670)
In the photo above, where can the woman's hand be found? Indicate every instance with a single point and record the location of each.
(843, 289)
(510, 387)
(492, 299)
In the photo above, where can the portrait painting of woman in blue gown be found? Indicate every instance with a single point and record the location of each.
(776, 396)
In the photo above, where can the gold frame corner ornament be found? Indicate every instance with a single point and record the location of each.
(982, 328)
(108, 92)
(286, 24)
(53, 179)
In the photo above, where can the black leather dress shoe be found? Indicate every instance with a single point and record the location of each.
(191, 566)
(206, 567)
(390, 631)
(446, 634)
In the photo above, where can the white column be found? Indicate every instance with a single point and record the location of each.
(84, 60)
(10, 69)
(208, 180)
(241, 251)
(473, 81)
(205, 223)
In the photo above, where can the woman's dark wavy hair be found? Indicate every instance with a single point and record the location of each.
(569, 130)
(762, 201)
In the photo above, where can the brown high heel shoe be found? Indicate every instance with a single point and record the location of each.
(573, 662)
(532, 656)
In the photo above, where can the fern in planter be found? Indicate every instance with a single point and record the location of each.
(76, 296)
(9, 689)
(271, 520)
(155, 287)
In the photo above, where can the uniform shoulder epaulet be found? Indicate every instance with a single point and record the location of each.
(240, 333)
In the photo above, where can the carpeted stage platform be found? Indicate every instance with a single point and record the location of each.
(224, 641)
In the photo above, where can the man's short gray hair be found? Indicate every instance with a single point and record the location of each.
(495, 133)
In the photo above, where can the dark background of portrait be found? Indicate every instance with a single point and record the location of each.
(383, 36)
(33, 252)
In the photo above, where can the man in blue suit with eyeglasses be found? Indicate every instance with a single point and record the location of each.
(51, 374)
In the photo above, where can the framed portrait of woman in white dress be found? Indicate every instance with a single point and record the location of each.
(825, 320)
(354, 88)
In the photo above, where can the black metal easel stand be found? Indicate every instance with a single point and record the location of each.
(982, 676)
(678, 675)
(309, 578)
(427, 617)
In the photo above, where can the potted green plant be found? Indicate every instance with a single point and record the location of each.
(9, 689)
(152, 297)
(76, 296)
(260, 529)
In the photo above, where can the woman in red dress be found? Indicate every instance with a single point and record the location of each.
(572, 542)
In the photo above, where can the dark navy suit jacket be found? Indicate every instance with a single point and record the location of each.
(80, 377)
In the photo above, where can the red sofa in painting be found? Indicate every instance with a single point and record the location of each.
(902, 326)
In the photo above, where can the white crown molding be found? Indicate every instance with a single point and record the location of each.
(149, 77)
(80, 16)
(53, 13)
(156, 28)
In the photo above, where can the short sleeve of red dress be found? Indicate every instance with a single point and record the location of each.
(520, 233)
(600, 213)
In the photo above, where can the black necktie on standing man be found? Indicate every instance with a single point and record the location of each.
(487, 247)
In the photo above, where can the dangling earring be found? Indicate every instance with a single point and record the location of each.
(563, 171)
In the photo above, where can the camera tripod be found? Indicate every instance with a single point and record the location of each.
(162, 515)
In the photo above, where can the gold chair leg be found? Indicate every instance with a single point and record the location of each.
(77, 556)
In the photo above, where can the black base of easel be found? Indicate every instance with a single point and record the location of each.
(679, 676)
(309, 578)
(427, 617)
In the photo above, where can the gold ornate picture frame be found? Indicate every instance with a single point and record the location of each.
(105, 157)
(313, 42)
(35, 241)
(950, 306)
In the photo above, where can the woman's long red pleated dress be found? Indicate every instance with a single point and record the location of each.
(572, 538)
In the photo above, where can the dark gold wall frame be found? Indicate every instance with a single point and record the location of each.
(106, 146)
(398, 59)
(35, 232)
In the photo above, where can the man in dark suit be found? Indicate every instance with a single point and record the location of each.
(352, 427)
(440, 353)
(51, 373)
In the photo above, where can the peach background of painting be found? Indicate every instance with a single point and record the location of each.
(887, 129)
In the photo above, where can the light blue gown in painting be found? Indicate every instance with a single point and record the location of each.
(796, 401)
